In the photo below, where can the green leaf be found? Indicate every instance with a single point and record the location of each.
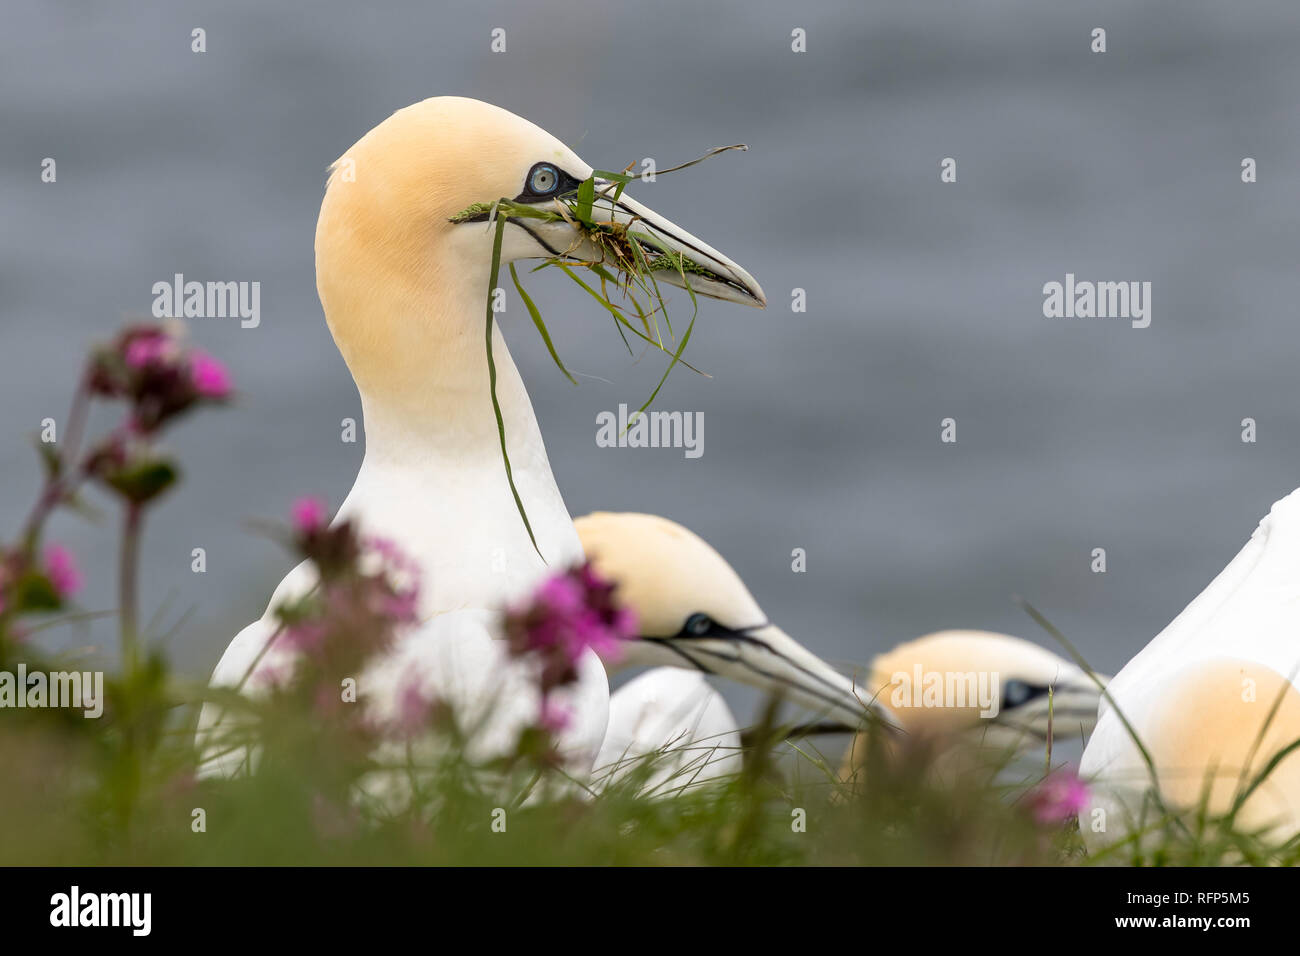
(492, 381)
(677, 357)
(541, 326)
(35, 592)
(605, 303)
(144, 480)
(586, 196)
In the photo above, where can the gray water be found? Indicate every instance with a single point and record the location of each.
(822, 428)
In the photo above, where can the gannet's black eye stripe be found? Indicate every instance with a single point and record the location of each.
(1017, 693)
(546, 181)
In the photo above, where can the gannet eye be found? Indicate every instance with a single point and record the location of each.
(1017, 692)
(543, 179)
(698, 625)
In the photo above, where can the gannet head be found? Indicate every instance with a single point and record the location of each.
(950, 682)
(980, 687)
(695, 612)
(387, 245)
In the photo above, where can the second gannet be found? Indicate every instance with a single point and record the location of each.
(405, 292)
(1213, 700)
(697, 614)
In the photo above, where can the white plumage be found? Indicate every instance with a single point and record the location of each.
(1199, 694)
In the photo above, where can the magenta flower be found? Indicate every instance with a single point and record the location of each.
(210, 377)
(399, 600)
(1058, 798)
(570, 613)
(554, 717)
(303, 636)
(148, 348)
(413, 709)
(308, 515)
(61, 568)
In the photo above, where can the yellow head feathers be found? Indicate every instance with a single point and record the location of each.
(665, 572)
(398, 280)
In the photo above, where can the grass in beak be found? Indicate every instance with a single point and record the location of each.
(627, 287)
(492, 383)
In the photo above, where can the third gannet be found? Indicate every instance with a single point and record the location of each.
(1200, 694)
(1016, 673)
(405, 290)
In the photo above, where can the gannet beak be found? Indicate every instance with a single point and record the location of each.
(704, 269)
(707, 271)
(769, 659)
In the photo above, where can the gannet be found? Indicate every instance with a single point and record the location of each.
(404, 291)
(1199, 697)
(696, 613)
(1017, 673)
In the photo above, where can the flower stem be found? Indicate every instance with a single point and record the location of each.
(127, 584)
(59, 485)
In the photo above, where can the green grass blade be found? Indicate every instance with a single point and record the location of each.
(492, 380)
(676, 356)
(619, 321)
(541, 326)
(586, 196)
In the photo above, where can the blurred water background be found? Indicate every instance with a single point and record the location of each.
(822, 428)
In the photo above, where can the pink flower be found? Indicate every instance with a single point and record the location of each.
(1058, 798)
(61, 568)
(308, 515)
(271, 675)
(148, 348)
(561, 594)
(413, 709)
(210, 377)
(570, 613)
(554, 717)
(306, 636)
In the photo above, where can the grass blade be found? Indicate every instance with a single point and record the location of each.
(492, 381)
(541, 326)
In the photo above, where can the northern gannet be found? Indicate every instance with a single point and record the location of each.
(695, 613)
(1016, 674)
(1199, 697)
(405, 290)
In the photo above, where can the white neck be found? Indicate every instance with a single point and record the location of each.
(433, 479)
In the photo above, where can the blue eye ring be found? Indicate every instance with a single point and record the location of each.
(698, 625)
(543, 179)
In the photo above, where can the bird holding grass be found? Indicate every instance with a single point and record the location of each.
(419, 218)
